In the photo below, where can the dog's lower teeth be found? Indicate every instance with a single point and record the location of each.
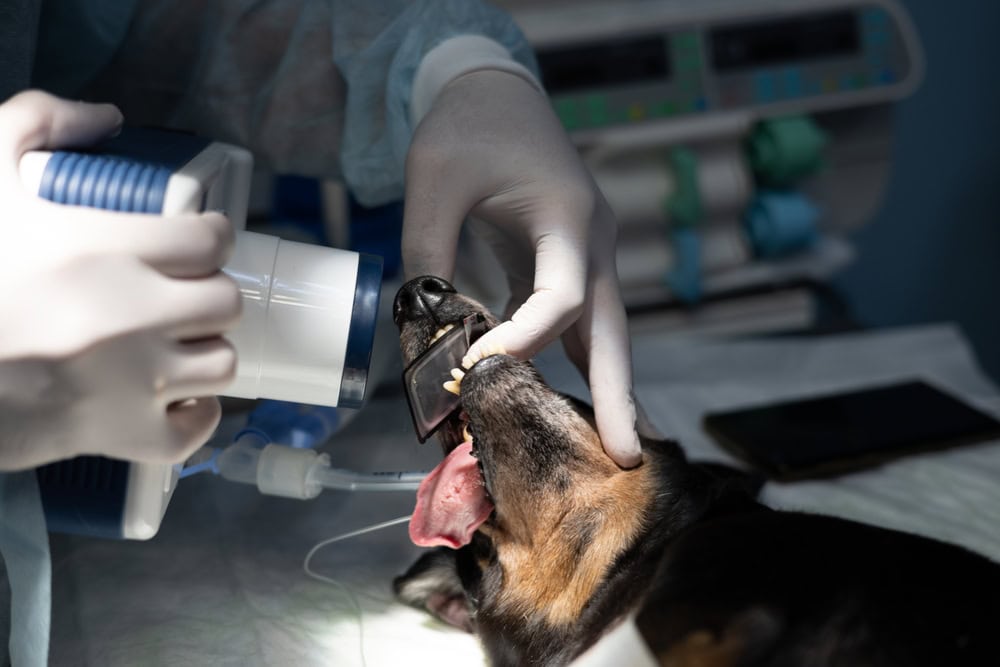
(455, 386)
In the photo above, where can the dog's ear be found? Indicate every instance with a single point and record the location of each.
(433, 584)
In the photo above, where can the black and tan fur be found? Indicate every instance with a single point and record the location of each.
(576, 544)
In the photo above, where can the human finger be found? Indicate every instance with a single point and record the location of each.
(201, 368)
(201, 308)
(599, 346)
(191, 422)
(35, 119)
(555, 302)
(183, 246)
(611, 380)
(132, 297)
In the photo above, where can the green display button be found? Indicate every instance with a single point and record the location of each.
(685, 41)
(668, 108)
(690, 105)
(689, 86)
(597, 109)
(688, 62)
(568, 113)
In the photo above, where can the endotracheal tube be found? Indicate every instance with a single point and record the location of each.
(296, 470)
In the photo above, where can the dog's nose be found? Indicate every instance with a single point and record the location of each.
(419, 297)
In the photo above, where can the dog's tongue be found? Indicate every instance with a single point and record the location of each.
(451, 502)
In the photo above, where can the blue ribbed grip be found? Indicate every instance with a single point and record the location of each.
(85, 495)
(104, 181)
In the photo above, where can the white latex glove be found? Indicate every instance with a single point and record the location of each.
(492, 147)
(108, 321)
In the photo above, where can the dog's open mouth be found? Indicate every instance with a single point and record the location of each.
(513, 441)
(453, 501)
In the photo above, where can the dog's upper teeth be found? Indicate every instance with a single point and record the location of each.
(442, 331)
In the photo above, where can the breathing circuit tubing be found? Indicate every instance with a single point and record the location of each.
(293, 470)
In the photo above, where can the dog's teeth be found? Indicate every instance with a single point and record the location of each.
(455, 386)
(466, 434)
(442, 331)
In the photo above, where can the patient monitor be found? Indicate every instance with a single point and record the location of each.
(738, 143)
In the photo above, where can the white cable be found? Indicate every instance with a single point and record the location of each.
(342, 586)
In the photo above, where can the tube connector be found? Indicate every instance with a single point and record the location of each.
(278, 470)
(285, 471)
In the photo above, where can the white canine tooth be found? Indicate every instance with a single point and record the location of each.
(442, 331)
(452, 387)
(466, 434)
(457, 374)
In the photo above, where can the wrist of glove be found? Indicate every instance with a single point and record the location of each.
(110, 343)
(491, 147)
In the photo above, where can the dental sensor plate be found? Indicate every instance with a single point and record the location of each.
(430, 403)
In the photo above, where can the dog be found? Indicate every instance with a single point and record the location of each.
(546, 544)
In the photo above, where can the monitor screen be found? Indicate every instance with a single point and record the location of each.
(583, 66)
(764, 43)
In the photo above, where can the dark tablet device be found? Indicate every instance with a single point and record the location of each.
(839, 433)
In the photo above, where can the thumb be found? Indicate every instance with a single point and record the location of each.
(34, 119)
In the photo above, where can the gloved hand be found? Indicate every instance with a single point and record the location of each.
(491, 146)
(110, 322)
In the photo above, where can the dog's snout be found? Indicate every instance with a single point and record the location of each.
(419, 297)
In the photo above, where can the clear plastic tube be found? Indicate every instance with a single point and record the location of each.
(349, 480)
(279, 470)
(295, 470)
(238, 462)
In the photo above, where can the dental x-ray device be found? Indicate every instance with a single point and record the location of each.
(305, 335)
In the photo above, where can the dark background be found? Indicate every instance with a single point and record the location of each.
(933, 251)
